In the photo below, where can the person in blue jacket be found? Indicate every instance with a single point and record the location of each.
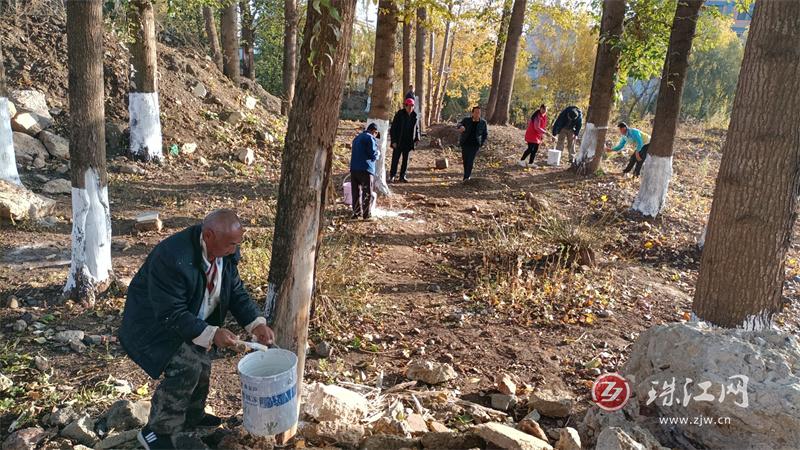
(642, 142)
(174, 314)
(362, 171)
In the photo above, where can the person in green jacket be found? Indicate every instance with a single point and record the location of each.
(642, 142)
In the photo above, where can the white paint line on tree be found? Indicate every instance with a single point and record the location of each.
(145, 123)
(383, 146)
(656, 175)
(8, 161)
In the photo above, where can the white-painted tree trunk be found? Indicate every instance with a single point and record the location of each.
(145, 123)
(91, 236)
(380, 166)
(8, 161)
(588, 145)
(652, 196)
(701, 241)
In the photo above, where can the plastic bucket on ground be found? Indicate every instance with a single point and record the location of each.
(554, 157)
(269, 391)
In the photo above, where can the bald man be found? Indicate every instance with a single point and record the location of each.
(174, 314)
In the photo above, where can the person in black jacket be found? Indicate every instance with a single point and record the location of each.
(566, 127)
(404, 134)
(473, 135)
(174, 312)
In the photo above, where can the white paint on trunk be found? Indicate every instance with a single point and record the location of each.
(269, 304)
(8, 161)
(701, 241)
(652, 196)
(145, 124)
(588, 145)
(380, 166)
(91, 236)
(757, 322)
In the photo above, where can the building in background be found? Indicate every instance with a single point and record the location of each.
(729, 8)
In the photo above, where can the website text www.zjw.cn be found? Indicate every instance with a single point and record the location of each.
(694, 420)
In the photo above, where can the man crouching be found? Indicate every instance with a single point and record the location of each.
(174, 313)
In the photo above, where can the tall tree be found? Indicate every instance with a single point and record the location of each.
(588, 158)
(429, 91)
(419, 65)
(497, 63)
(408, 26)
(8, 162)
(510, 52)
(248, 40)
(440, 104)
(382, 77)
(436, 103)
(657, 171)
(144, 113)
(755, 199)
(230, 42)
(91, 216)
(305, 172)
(211, 33)
(289, 53)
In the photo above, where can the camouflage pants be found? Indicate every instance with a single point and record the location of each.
(180, 398)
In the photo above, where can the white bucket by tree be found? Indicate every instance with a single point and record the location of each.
(269, 391)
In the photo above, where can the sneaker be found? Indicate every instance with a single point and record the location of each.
(522, 163)
(404, 180)
(391, 180)
(152, 441)
(354, 217)
(368, 218)
(533, 165)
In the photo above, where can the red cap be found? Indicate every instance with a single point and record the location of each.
(409, 101)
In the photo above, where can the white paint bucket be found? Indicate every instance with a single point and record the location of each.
(269, 391)
(554, 157)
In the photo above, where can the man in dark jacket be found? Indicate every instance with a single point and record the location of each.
(174, 313)
(566, 127)
(473, 135)
(404, 134)
(362, 169)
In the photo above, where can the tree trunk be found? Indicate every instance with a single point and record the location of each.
(507, 72)
(289, 53)
(8, 161)
(143, 107)
(306, 163)
(657, 170)
(91, 217)
(755, 199)
(429, 69)
(408, 23)
(248, 40)
(382, 78)
(230, 43)
(590, 154)
(440, 106)
(211, 32)
(419, 66)
(497, 65)
(436, 104)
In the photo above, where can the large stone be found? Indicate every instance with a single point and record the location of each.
(68, 336)
(452, 441)
(386, 442)
(116, 440)
(57, 146)
(552, 402)
(63, 417)
(416, 424)
(430, 372)
(30, 100)
(18, 203)
(81, 430)
(331, 402)
(24, 439)
(508, 438)
(30, 123)
(148, 221)
(246, 156)
(199, 90)
(126, 415)
(506, 384)
(759, 370)
(27, 149)
(613, 438)
(12, 109)
(335, 431)
(533, 428)
(502, 402)
(569, 439)
(57, 186)
(5, 383)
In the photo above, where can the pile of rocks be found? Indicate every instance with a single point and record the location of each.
(30, 121)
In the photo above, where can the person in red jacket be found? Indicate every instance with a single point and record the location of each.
(537, 128)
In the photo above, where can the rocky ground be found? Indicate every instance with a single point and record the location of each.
(466, 315)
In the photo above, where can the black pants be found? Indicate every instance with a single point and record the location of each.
(468, 153)
(180, 398)
(532, 149)
(361, 190)
(396, 154)
(633, 162)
